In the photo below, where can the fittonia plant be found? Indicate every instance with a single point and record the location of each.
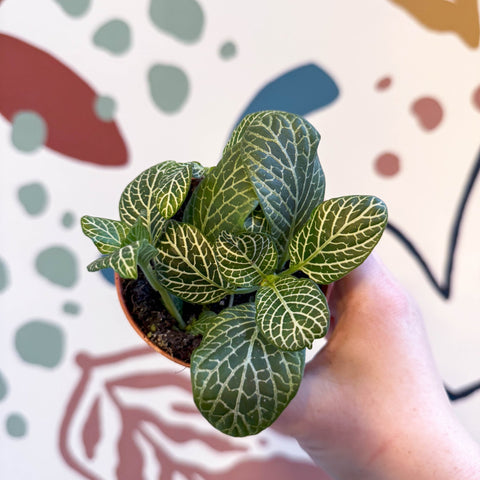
(256, 224)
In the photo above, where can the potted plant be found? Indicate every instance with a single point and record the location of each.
(235, 256)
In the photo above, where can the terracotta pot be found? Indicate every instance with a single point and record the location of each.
(134, 325)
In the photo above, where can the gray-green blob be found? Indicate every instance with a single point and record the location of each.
(228, 50)
(114, 36)
(105, 108)
(4, 276)
(40, 343)
(68, 220)
(59, 265)
(183, 19)
(169, 87)
(72, 308)
(29, 131)
(16, 425)
(75, 8)
(3, 387)
(33, 197)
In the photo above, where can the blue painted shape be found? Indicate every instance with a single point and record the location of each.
(301, 90)
(108, 275)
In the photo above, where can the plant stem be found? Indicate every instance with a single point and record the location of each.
(166, 298)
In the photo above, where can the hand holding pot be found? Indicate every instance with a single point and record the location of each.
(372, 404)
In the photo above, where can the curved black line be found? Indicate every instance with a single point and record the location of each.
(462, 392)
(443, 287)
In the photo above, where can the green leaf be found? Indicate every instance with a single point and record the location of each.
(186, 265)
(246, 258)
(173, 190)
(241, 383)
(292, 313)
(107, 235)
(241, 128)
(140, 198)
(338, 237)
(280, 153)
(224, 198)
(203, 324)
(256, 222)
(99, 264)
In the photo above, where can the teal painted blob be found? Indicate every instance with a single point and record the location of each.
(4, 276)
(75, 8)
(228, 50)
(169, 87)
(33, 197)
(3, 387)
(72, 308)
(114, 36)
(68, 220)
(58, 265)
(40, 343)
(29, 131)
(105, 108)
(16, 425)
(182, 19)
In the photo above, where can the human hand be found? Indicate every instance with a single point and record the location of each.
(372, 404)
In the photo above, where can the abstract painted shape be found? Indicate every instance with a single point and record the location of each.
(4, 276)
(58, 265)
(91, 433)
(72, 308)
(383, 84)
(105, 108)
(460, 17)
(33, 197)
(68, 219)
(109, 275)
(228, 50)
(113, 36)
(3, 387)
(182, 19)
(35, 81)
(301, 90)
(476, 98)
(29, 131)
(16, 425)
(40, 343)
(74, 8)
(169, 87)
(428, 111)
(387, 164)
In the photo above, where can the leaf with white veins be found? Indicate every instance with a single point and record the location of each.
(292, 312)
(244, 259)
(339, 236)
(186, 265)
(173, 190)
(241, 383)
(107, 235)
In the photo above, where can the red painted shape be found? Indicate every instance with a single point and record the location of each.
(32, 79)
(91, 431)
(428, 111)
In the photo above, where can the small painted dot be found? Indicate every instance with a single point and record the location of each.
(182, 19)
(114, 37)
(58, 265)
(476, 98)
(72, 308)
(383, 83)
(74, 8)
(105, 108)
(40, 343)
(16, 425)
(228, 50)
(387, 164)
(29, 131)
(4, 276)
(33, 197)
(3, 387)
(428, 111)
(169, 87)
(68, 220)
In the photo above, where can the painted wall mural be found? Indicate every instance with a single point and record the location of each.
(91, 93)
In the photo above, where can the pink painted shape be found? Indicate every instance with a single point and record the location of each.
(91, 431)
(476, 98)
(383, 83)
(32, 79)
(428, 111)
(387, 164)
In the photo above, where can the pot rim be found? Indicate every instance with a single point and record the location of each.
(134, 325)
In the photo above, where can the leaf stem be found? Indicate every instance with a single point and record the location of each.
(166, 298)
